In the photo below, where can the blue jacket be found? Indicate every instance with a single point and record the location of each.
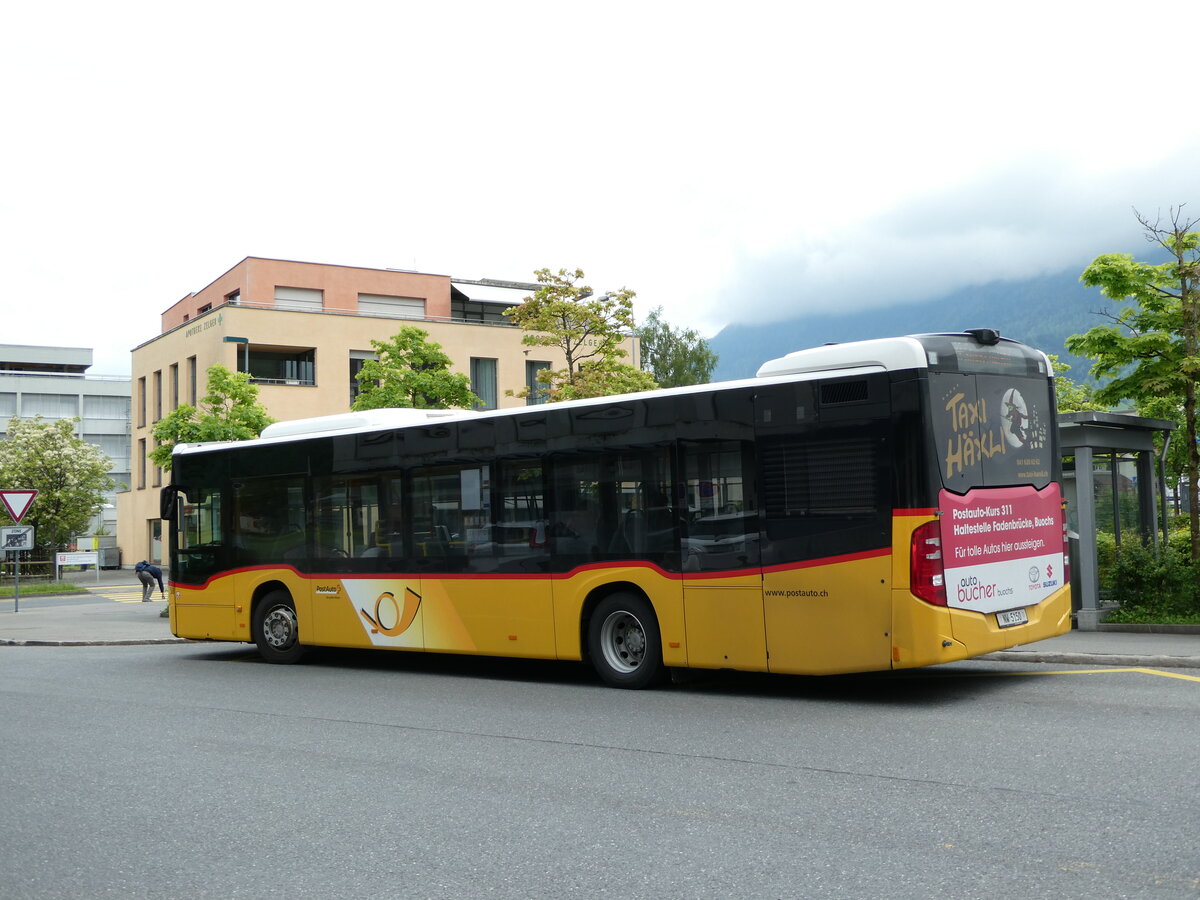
(154, 571)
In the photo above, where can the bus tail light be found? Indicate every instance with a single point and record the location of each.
(926, 573)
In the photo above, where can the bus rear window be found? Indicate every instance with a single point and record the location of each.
(991, 430)
(959, 353)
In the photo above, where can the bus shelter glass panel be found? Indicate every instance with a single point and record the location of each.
(1115, 489)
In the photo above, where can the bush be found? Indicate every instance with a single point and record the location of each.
(1180, 540)
(1153, 585)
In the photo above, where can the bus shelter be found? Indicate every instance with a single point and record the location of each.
(1111, 487)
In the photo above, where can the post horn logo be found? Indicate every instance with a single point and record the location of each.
(391, 617)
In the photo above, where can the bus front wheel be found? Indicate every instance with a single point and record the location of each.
(624, 642)
(277, 630)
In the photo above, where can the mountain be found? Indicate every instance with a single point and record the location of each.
(1040, 311)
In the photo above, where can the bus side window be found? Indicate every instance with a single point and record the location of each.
(449, 506)
(268, 520)
(722, 517)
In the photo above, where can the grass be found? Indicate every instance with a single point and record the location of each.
(33, 588)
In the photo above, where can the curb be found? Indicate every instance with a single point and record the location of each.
(130, 643)
(1094, 659)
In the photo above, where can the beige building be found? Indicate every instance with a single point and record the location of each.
(302, 331)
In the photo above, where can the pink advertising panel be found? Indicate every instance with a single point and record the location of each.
(1002, 547)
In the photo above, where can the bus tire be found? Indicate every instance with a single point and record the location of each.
(276, 629)
(624, 642)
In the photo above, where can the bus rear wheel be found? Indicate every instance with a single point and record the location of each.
(277, 630)
(624, 642)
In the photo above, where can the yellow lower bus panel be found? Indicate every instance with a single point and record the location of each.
(926, 635)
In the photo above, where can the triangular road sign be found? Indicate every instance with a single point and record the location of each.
(17, 503)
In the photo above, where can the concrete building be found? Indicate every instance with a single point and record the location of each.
(302, 330)
(53, 383)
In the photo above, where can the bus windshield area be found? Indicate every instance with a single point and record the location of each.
(992, 430)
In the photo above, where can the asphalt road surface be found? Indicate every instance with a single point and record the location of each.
(198, 771)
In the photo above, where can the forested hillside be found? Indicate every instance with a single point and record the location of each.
(1040, 311)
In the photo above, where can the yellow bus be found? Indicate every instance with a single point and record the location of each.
(855, 507)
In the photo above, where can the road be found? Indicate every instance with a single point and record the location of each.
(198, 771)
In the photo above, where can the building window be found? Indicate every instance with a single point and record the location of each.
(191, 376)
(141, 482)
(536, 390)
(357, 358)
(156, 473)
(100, 406)
(50, 406)
(281, 365)
(158, 395)
(205, 308)
(233, 296)
(483, 381)
(141, 419)
(299, 299)
(174, 385)
(392, 307)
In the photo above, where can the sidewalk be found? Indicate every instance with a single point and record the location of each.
(89, 618)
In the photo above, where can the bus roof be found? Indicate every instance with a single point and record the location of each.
(851, 358)
(887, 353)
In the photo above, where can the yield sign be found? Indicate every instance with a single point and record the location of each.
(17, 503)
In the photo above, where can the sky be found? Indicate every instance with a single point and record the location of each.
(728, 162)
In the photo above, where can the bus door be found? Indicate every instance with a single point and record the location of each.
(361, 587)
(480, 545)
(826, 545)
(722, 579)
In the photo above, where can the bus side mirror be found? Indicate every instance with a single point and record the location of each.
(167, 502)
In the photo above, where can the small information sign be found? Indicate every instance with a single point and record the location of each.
(80, 558)
(77, 558)
(15, 538)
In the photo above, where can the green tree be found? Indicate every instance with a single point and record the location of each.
(412, 372)
(588, 329)
(1150, 349)
(69, 474)
(1071, 395)
(675, 357)
(229, 411)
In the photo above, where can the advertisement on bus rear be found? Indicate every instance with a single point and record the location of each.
(1002, 547)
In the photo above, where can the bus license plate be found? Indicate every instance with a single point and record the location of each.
(1011, 617)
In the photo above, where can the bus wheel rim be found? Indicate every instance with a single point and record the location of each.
(623, 642)
(279, 628)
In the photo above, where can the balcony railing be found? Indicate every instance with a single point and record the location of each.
(453, 320)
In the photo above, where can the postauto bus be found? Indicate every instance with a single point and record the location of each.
(862, 506)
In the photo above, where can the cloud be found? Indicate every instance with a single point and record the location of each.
(1032, 216)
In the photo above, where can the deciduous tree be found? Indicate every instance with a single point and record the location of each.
(412, 372)
(69, 474)
(229, 411)
(589, 330)
(675, 357)
(1151, 348)
(1071, 395)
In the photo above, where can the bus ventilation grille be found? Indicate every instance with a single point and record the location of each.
(844, 392)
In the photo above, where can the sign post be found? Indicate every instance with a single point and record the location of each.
(17, 503)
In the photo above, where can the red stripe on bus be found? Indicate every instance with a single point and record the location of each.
(828, 560)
